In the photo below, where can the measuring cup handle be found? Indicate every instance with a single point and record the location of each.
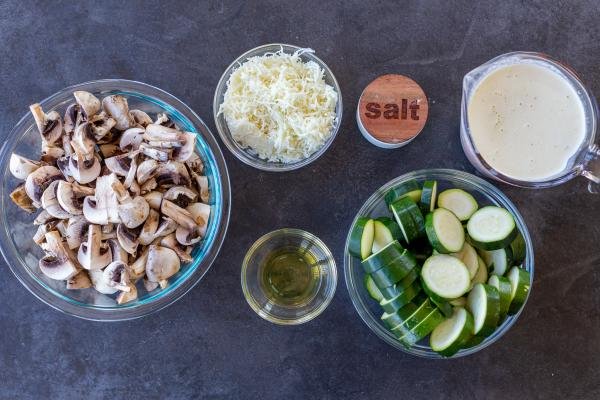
(591, 168)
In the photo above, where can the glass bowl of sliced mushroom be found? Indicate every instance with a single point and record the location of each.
(114, 200)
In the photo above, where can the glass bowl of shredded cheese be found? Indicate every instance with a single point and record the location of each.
(278, 107)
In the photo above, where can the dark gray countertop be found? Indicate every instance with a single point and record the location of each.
(210, 344)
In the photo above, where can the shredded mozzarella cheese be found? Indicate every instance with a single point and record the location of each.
(279, 106)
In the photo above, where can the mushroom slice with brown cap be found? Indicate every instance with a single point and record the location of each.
(72, 118)
(101, 126)
(155, 153)
(20, 197)
(57, 263)
(171, 242)
(185, 151)
(93, 254)
(120, 164)
(118, 108)
(51, 204)
(154, 199)
(133, 212)
(99, 282)
(128, 238)
(84, 170)
(39, 180)
(140, 117)
(150, 227)
(172, 173)
(146, 170)
(116, 274)
(180, 215)
(180, 195)
(88, 103)
(77, 230)
(127, 295)
(21, 167)
(118, 253)
(200, 212)
(79, 281)
(162, 263)
(49, 125)
(70, 200)
(131, 139)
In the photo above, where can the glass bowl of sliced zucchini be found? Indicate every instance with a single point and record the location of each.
(439, 263)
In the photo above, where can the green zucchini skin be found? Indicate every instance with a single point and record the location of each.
(428, 196)
(355, 246)
(520, 281)
(401, 190)
(462, 340)
(382, 258)
(405, 297)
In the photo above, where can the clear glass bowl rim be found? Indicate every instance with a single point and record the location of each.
(563, 68)
(450, 175)
(240, 152)
(331, 287)
(199, 267)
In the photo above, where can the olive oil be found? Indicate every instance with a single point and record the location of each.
(290, 276)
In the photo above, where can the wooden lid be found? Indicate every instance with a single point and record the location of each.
(392, 109)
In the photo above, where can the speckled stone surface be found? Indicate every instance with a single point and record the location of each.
(210, 344)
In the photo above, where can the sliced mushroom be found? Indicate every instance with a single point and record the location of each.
(43, 217)
(148, 186)
(146, 170)
(202, 182)
(100, 283)
(39, 180)
(131, 139)
(21, 167)
(150, 286)
(88, 103)
(138, 267)
(51, 204)
(200, 213)
(150, 227)
(172, 173)
(135, 188)
(166, 226)
(162, 134)
(50, 153)
(72, 119)
(127, 295)
(180, 215)
(118, 108)
(185, 151)
(109, 150)
(134, 212)
(163, 119)
(118, 253)
(69, 200)
(162, 263)
(116, 274)
(40, 235)
(171, 242)
(155, 152)
(128, 238)
(82, 170)
(154, 199)
(57, 263)
(83, 141)
(64, 166)
(49, 125)
(140, 117)
(20, 197)
(61, 227)
(180, 195)
(195, 164)
(79, 281)
(102, 208)
(77, 230)
(120, 164)
(93, 254)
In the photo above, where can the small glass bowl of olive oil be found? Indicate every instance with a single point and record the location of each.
(289, 276)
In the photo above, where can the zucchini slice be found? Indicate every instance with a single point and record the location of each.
(461, 203)
(444, 231)
(422, 329)
(484, 303)
(386, 231)
(383, 257)
(429, 196)
(482, 273)
(459, 302)
(452, 334)
(520, 282)
(394, 270)
(392, 291)
(501, 260)
(492, 228)
(409, 218)
(445, 276)
(410, 188)
(505, 290)
(392, 320)
(405, 297)
(372, 289)
(518, 249)
(469, 256)
(361, 238)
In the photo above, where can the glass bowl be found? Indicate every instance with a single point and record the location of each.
(324, 268)
(22, 254)
(248, 156)
(369, 310)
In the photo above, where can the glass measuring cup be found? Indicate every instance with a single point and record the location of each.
(585, 160)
